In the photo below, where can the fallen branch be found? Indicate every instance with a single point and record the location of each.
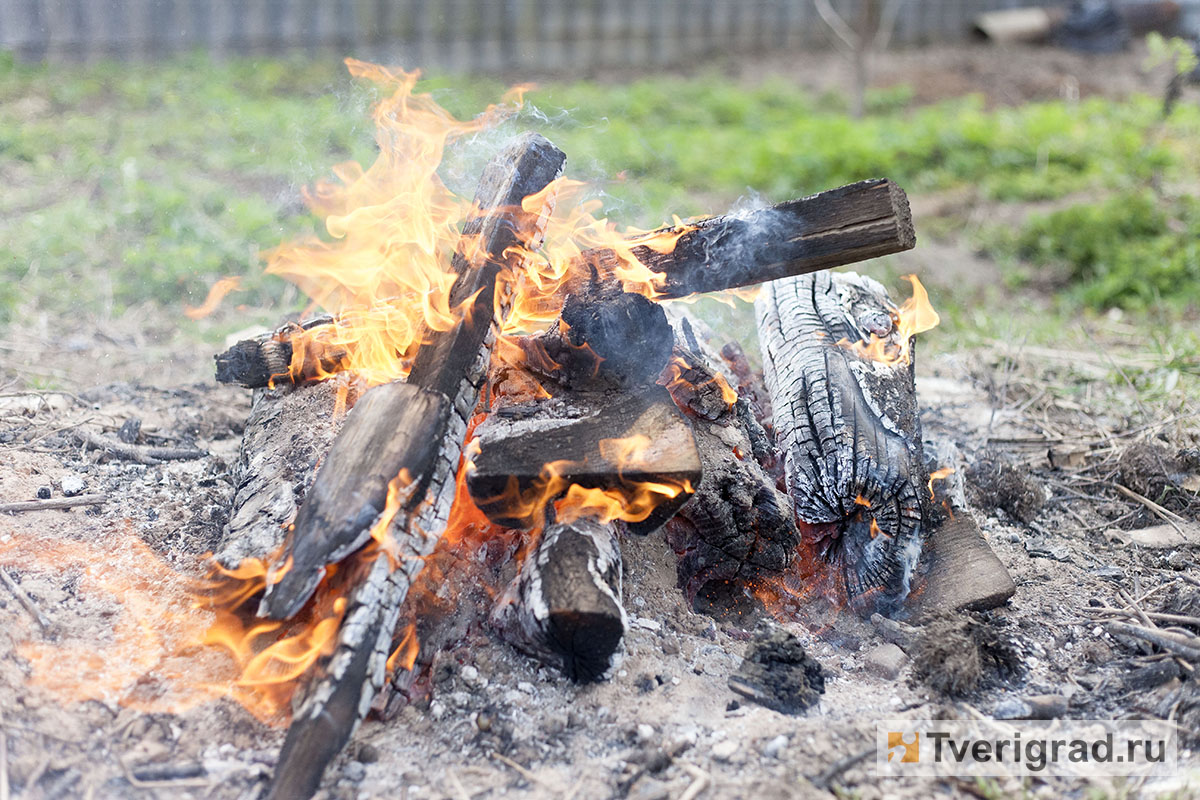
(60, 502)
(139, 453)
(837, 768)
(1178, 619)
(1186, 646)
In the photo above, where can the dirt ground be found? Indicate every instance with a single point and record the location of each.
(1039, 473)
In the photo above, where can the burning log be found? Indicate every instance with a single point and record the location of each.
(529, 454)
(564, 607)
(737, 524)
(838, 365)
(841, 226)
(837, 227)
(254, 363)
(452, 363)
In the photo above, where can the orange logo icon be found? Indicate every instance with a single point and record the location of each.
(908, 749)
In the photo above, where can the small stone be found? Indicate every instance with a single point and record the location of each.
(724, 750)
(670, 646)
(354, 772)
(368, 753)
(886, 660)
(645, 732)
(775, 747)
(73, 485)
(437, 710)
(470, 674)
(1178, 560)
(526, 687)
(43, 493)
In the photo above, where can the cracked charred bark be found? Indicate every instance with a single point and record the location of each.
(848, 428)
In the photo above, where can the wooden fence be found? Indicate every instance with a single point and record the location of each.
(453, 35)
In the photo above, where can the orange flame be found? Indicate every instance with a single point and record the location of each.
(915, 315)
(938, 475)
(216, 294)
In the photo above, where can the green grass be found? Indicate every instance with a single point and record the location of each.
(133, 184)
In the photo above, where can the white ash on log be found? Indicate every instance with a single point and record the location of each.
(848, 428)
(288, 433)
(738, 524)
(453, 363)
(565, 607)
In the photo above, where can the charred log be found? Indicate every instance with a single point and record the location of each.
(564, 607)
(453, 363)
(834, 228)
(848, 429)
(738, 524)
(288, 433)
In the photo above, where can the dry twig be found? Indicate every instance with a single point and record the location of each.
(1181, 645)
(24, 599)
(139, 453)
(700, 782)
(58, 502)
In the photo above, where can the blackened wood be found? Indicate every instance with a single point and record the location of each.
(288, 432)
(849, 430)
(738, 524)
(841, 226)
(385, 433)
(254, 363)
(960, 571)
(579, 432)
(564, 607)
(142, 454)
(454, 363)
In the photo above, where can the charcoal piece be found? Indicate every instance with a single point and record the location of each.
(130, 430)
(627, 332)
(956, 653)
(777, 673)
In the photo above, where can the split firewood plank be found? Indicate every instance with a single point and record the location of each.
(455, 364)
(565, 607)
(594, 440)
(834, 228)
(288, 433)
(849, 430)
(960, 571)
(738, 524)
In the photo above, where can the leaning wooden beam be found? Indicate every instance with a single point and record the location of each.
(738, 524)
(453, 363)
(841, 226)
(848, 428)
(564, 607)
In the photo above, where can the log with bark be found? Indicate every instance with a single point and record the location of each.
(849, 430)
(565, 607)
(452, 364)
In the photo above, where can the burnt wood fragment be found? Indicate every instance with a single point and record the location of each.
(959, 570)
(777, 673)
(848, 429)
(580, 433)
(841, 226)
(564, 607)
(455, 364)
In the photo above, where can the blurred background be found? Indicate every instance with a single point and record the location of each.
(1051, 151)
